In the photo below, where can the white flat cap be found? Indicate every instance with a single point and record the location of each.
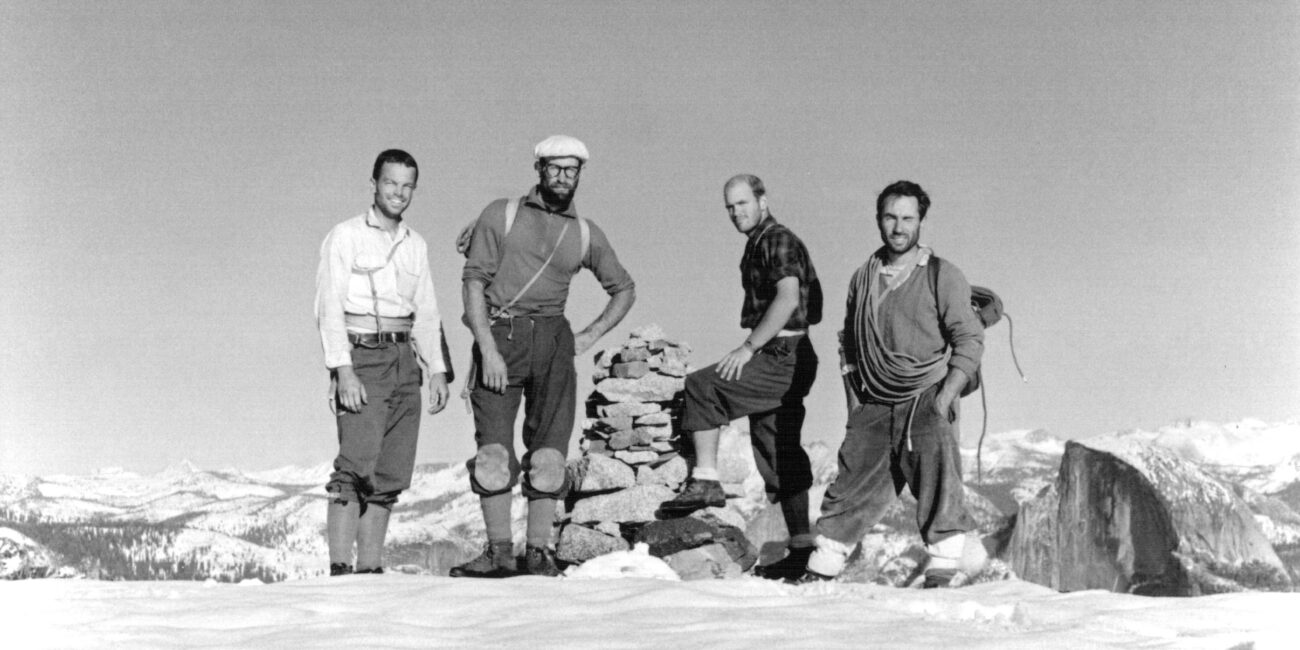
(561, 146)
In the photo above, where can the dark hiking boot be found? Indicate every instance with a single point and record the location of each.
(790, 568)
(340, 569)
(812, 576)
(540, 561)
(696, 495)
(939, 578)
(375, 570)
(496, 561)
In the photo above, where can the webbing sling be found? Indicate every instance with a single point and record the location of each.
(512, 210)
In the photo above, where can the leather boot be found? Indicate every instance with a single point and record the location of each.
(496, 561)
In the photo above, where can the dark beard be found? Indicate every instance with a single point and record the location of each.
(554, 201)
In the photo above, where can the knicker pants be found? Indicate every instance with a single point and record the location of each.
(538, 352)
(377, 445)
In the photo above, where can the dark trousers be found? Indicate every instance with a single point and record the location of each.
(770, 391)
(377, 445)
(875, 462)
(538, 352)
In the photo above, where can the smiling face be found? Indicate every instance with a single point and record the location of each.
(900, 224)
(746, 210)
(394, 188)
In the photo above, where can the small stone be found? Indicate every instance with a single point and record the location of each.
(621, 440)
(617, 422)
(655, 345)
(593, 446)
(647, 435)
(711, 562)
(636, 457)
(662, 445)
(631, 370)
(654, 419)
(632, 354)
(579, 543)
(609, 528)
(631, 409)
(598, 473)
(673, 368)
(653, 387)
(635, 504)
(670, 473)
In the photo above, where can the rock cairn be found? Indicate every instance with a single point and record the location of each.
(632, 462)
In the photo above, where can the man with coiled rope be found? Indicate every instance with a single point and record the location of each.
(910, 345)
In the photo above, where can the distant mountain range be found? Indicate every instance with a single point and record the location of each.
(189, 523)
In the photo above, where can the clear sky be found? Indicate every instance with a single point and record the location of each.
(1125, 175)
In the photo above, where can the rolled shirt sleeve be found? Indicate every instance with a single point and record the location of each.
(604, 264)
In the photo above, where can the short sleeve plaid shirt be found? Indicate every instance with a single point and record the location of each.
(774, 252)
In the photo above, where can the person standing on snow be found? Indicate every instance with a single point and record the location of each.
(522, 256)
(380, 328)
(911, 343)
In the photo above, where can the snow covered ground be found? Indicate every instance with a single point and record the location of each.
(402, 611)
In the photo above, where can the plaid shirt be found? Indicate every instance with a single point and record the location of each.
(773, 253)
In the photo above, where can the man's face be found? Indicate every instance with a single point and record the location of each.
(394, 189)
(900, 224)
(746, 211)
(559, 177)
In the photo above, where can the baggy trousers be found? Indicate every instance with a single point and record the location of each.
(538, 352)
(875, 462)
(377, 445)
(770, 391)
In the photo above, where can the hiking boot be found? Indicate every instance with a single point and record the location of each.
(696, 495)
(375, 570)
(812, 576)
(340, 569)
(540, 561)
(790, 568)
(939, 578)
(496, 561)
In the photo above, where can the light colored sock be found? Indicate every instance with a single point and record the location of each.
(496, 516)
(946, 553)
(541, 522)
(341, 520)
(371, 531)
(830, 557)
(705, 473)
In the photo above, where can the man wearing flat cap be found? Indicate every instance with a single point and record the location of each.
(521, 257)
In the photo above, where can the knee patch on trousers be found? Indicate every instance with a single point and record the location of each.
(492, 467)
(546, 470)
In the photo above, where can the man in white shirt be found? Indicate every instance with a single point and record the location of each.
(380, 328)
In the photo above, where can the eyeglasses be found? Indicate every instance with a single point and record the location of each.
(554, 171)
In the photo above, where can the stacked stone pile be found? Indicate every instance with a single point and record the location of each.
(632, 462)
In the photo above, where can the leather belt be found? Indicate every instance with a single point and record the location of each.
(381, 337)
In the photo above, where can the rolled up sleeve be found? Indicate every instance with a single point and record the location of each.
(604, 263)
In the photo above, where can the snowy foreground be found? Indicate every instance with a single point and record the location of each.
(403, 611)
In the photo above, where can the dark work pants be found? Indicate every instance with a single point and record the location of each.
(538, 352)
(377, 445)
(875, 463)
(770, 391)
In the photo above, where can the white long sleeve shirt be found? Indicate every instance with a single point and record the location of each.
(353, 254)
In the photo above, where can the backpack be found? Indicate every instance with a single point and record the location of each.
(987, 306)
